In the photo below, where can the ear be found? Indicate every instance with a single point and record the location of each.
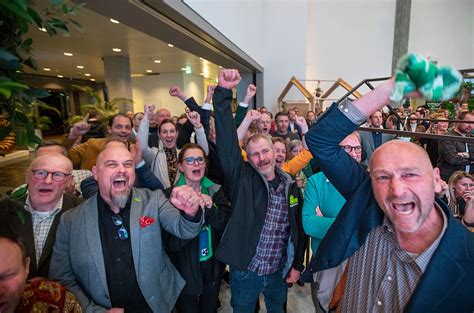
(437, 181)
(180, 168)
(94, 172)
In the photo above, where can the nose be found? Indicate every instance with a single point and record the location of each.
(49, 178)
(397, 187)
(353, 154)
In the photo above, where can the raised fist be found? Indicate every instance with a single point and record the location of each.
(210, 92)
(149, 109)
(184, 198)
(301, 122)
(251, 90)
(229, 78)
(176, 92)
(206, 201)
(194, 118)
(253, 115)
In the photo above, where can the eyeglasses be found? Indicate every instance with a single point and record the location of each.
(122, 232)
(348, 149)
(56, 176)
(191, 160)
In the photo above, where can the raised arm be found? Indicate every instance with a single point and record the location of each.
(148, 153)
(243, 106)
(228, 148)
(252, 116)
(195, 119)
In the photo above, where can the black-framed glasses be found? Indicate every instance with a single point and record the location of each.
(122, 232)
(348, 148)
(56, 176)
(192, 160)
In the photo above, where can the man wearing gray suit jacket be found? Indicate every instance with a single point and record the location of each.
(372, 140)
(108, 251)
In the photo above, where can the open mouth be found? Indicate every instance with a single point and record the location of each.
(45, 190)
(403, 208)
(196, 172)
(120, 183)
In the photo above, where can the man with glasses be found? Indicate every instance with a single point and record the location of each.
(323, 202)
(109, 251)
(34, 216)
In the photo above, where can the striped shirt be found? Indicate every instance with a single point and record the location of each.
(271, 248)
(42, 222)
(382, 276)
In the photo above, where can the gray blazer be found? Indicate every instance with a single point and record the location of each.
(78, 261)
(367, 142)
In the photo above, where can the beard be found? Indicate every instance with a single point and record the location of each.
(120, 199)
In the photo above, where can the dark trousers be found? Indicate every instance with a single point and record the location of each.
(205, 303)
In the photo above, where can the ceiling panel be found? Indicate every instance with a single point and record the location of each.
(98, 40)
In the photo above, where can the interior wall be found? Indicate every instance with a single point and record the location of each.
(155, 90)
(324, 39)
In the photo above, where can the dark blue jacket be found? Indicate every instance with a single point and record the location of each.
(448, 282)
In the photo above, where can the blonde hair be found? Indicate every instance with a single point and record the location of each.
(455, 177)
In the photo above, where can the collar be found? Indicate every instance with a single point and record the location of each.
(422, 259)
(57, 207)
(206, 183)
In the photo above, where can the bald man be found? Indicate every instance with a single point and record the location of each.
(393, 246)
(34, 216)
(109, 252)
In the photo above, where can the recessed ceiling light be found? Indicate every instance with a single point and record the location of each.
(149, 71)
(68, 54)
(170, 45)
(93, 79)
(87, 74)
(42, 29)
(46, 69)
(201, 59)
(202, 74)
(114, 21)
(183, 69)
(80, 66)
(220, 66)
(157, 61)
(60, 76)
(116, 50)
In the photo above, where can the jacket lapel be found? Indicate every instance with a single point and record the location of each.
(91, 218)
(135, 212)
(443, 274)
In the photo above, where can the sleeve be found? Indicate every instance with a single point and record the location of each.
(201, 139)
(204, 112)
(173, 221)
(61, 268)
(89, 187)
(218, 215)
(228, 148)
(323, 141)
(240, 113)
(148, 153)
(315, 226)
(298, 262)
(448, 151)
(184, 135)
(299, 162)
(148, 179)
(77, 153)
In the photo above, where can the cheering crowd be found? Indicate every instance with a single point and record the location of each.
(150, 217)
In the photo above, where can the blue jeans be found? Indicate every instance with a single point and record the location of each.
(246, 286)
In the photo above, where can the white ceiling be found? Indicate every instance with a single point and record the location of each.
(99, 37)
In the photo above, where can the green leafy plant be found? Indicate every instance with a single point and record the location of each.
(16, 52)
(100, 107)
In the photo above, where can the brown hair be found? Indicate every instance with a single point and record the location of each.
(187, 147)
(167, 121)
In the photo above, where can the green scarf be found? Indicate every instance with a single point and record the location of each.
(415, 72)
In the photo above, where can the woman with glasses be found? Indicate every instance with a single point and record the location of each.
(194, 259)
(163, 160)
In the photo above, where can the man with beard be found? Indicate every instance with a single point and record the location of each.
(372, 140)
(282, 121)
(108, 251)
(84, 156)
(455, 155)
(264, 240)
(394, 247)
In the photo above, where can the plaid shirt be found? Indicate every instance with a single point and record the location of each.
(271, 248)
(42, 222)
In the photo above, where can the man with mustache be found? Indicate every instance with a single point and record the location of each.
(108, 251)
(264, 240)
(393, 246)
